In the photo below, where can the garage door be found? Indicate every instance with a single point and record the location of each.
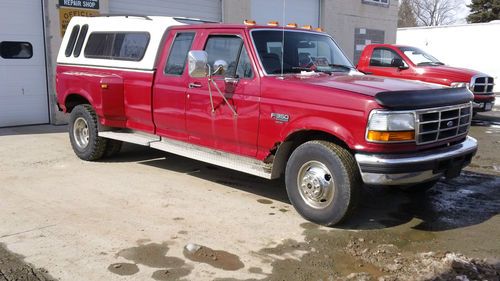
(23, 90)
(201, 9)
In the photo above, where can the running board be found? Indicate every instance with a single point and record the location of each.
(227, 160)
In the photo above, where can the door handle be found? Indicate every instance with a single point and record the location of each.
(194, 85)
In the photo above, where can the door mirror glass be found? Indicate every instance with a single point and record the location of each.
(198, 64)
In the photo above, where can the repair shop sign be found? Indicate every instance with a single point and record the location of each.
(83, 4)
(65, 15)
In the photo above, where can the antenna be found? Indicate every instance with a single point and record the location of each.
(283, 38)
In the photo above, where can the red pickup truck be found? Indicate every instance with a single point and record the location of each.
(264, 100)
(412, 63)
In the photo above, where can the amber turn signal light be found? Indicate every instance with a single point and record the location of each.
(391, 136)
(104, 86)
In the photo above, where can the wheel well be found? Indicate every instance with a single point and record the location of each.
(282, 151)
(73, 100)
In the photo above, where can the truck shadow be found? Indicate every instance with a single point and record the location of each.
(33, 130)
(470, 199)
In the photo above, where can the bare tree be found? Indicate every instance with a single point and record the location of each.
(406, 15)
(436, 12)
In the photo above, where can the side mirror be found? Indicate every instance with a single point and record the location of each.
(198, 64)
(399, 63)
(220, 67)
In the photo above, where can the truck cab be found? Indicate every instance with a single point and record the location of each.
(406, 62)
(265, 100)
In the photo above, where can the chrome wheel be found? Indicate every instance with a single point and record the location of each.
(81, 133)
(316, 185)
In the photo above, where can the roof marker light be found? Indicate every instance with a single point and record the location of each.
(273, 23)
(308, 27)
(294, 25)
(319, 29)
(249, 22)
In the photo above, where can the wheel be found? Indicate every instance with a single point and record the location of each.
(83, 125)
(419, 188)
(323, 182)
(112, 147)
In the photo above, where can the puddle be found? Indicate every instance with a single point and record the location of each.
(123, 269)
(265, 201)
(170, 274)
(216, 258)
(151, 255)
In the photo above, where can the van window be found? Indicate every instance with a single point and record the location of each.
(117, 45)
(16, 50)
(72, 40)
(79, 42)
(178, 53)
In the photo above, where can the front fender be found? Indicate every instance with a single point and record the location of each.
(315, 123)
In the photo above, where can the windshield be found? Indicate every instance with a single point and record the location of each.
(303, 51)
(419, 57)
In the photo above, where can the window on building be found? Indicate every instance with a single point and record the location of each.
(72, 40)
(16, 50)
(365, 36)
(80, 40)
(117, 45)
(176, 61)
(384, 57)
(376, 2)
(226, 48)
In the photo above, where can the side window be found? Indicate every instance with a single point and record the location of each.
(226, 48)
(16, 50)
(176, 61)
(118, 46)
(72, 41)
(383, 57)
(244, 69)
(79, 42)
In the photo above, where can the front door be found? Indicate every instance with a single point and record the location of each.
(228, 123)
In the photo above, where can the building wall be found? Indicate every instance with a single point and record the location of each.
(53, 40)
(341, 18)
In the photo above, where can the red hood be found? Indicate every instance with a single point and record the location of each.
(362, 84)
(451, 74)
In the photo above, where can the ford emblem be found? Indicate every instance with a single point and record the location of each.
(449, 124)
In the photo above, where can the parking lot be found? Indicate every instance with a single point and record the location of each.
(148, 215)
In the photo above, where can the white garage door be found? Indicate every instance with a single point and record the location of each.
(202, 9)
(301, 12)
(23, 90)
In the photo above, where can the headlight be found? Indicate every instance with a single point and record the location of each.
(460, 85)
(387, 126)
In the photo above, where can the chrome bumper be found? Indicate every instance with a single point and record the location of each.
(401, 169)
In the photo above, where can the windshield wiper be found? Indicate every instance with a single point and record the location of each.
(346, 67)
(431, 63)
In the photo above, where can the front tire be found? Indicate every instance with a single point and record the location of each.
(323, 182)
(83, 133)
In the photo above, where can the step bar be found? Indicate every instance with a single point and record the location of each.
(219, 158)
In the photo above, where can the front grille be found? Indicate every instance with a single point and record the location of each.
(482, 85)
(442, 123)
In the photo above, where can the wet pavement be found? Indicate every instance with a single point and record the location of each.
(241, 227)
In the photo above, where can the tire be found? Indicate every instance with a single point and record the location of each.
(323, 182)
(83, 133)
(112, 147)
(419, 188)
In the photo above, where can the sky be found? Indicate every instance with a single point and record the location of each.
(461, 15)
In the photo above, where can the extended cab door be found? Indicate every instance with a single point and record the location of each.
(384, 62)
(169, 92)
(217, 126)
